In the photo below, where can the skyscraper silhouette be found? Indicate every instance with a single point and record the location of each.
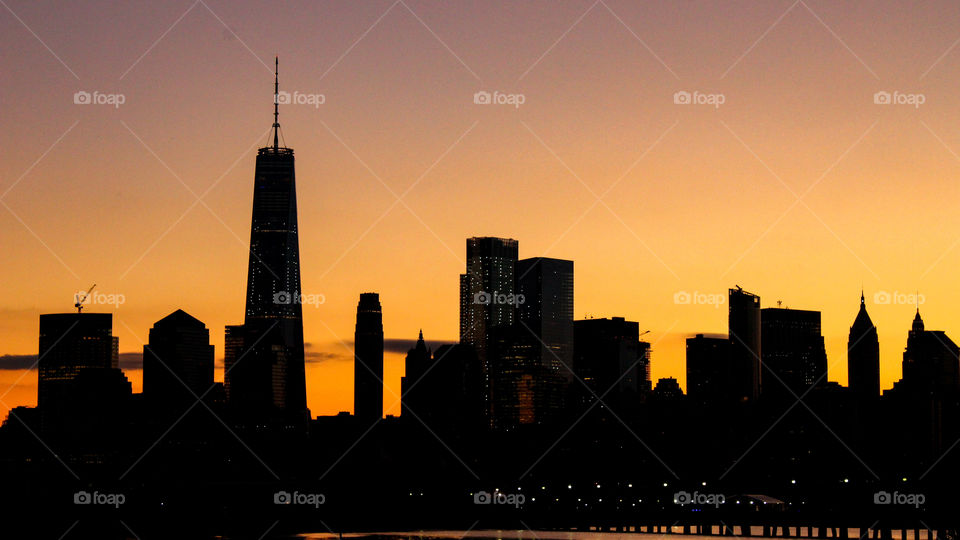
(177, 363)
(792, 351)
(863, 355)
(368, 360)
(744, 329)
(546, 288)
(708, 370)
(80, 382)
(268, 379)
(487, 296)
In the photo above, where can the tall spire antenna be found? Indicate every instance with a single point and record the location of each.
(276, 102)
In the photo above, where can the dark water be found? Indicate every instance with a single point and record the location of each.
(543, 535)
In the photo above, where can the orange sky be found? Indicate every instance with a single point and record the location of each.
(700, 198)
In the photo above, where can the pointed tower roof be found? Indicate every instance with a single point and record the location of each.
(862, 322)
(917, 322)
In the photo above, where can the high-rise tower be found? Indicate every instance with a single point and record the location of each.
(368, 360)
(863, 355)
(744, 330)
(268, 375)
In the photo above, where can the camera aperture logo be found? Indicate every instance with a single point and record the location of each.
(82, 97)
(285, 298)
(498, 299)
(300, 98)
(696, 97)
(515, 500)
(684, 298)
(898, 298)
(684, 498)
(498, 98)
(899, 98)
(304, 499)
(97, 498)
(908, 499)
(98, 298)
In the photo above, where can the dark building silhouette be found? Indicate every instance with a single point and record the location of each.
(444, 391)
(792, 351)
(524, 391)
(80, 385)
(232, 351)
(529, 362)
(931, 362)
(708, 370)
(744, 330)
(487, 294)
(177, 363)
(416, 365)
(270, 379)
(611, 360)
(863, 355)
(925, 402)
(546, 288)
(667, 389)
(368, 360)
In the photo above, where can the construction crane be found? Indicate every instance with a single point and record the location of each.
(82, 299)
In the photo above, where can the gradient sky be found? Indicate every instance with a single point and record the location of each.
(694, 198)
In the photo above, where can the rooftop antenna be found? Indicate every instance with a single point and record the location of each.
(276, 102)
